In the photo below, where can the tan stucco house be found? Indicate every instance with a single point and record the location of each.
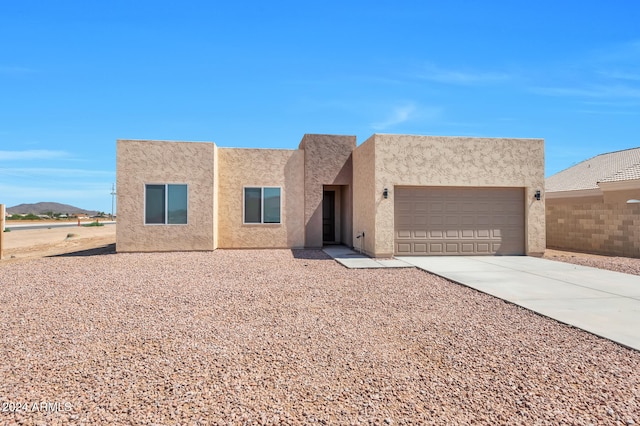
(593, 206)
(391, 195)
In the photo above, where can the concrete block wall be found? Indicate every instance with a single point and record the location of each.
(594, 227)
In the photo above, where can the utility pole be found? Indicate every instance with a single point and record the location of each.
(113, 194)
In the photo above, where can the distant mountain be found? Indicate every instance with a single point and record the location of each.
(44, 207)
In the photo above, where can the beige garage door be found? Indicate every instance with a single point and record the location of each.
(459, 221)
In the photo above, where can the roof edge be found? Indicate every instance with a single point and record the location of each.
(576, 193)
(620, 185)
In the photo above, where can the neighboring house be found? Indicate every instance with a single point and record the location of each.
(588, 209)
(393, 194)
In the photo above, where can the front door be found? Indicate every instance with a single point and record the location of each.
(329, 217)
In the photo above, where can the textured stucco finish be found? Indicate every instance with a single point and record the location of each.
(146, 162)
(364, 197)
(260, 167)
(216, 178)
(327, 161)
(346, 214)
(216, 191)
(407, 160)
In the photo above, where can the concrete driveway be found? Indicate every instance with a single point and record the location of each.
(602, 302)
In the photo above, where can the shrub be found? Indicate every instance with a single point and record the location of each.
(93, 224)
(29, 216)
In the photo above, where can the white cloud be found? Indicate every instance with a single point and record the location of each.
(407, 112)
(32, 154)
(448, 76)
(594, 91)
(92, 196)
(625, 52)
(607, 112)
(53, 194)
(620, 75)
(14, 70)
(604, 75)
(54, 172)
(398, 115)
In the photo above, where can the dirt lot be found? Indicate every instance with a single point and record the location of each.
(288, 337)
(34, 243)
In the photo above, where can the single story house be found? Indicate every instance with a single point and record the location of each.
(593, 206)
(391, 195)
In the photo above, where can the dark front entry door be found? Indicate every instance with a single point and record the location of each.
(329, 216)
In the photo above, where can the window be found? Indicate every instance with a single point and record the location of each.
(165, 204)
(261, 205)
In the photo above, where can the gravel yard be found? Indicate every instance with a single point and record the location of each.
(291, 337)
(627, 265)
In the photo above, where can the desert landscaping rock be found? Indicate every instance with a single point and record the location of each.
(626, 265)
(289, 337)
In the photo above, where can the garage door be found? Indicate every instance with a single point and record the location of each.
(459, 221)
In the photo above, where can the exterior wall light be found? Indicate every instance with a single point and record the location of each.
(537, 194)
(385, 193)
(633, 201)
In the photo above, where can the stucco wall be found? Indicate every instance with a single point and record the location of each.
(260, 167)
(364, 197)
(458, 161)
(595, 225)
(327, 161)
(216, 191)
(346, 215)
(148, 162)
(216, 177)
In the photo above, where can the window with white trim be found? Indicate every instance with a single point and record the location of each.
(165, 204)
(262, 204)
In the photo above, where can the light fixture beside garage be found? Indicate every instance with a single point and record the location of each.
(537, 194)
(385, 193)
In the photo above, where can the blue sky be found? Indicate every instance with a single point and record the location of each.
(77, 75)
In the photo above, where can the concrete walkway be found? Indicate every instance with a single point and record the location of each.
(354, 260)
(602, 302)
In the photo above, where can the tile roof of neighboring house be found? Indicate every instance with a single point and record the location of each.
(610, 167)
(632, 172)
